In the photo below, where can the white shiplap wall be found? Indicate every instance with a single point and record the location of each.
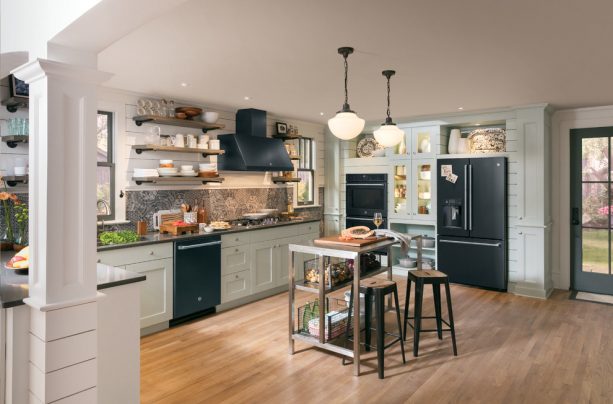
(123, 105)
(8, 156)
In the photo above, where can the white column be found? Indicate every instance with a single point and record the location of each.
(62, 230)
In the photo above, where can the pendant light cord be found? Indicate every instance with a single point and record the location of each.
(346, 71)
(388, 98)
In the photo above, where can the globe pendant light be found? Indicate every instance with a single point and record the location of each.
(388, 134)
(346, 124)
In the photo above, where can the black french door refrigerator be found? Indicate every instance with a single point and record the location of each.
(471, 222)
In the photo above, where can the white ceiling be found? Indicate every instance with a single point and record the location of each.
(474, 54)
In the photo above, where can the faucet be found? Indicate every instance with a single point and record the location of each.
(107, 210)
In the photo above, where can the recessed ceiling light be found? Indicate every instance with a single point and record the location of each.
(183, 84)
(321, 113)
(460, 108)
(246, 98)
(477, 124)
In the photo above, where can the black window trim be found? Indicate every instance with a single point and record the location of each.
(307, 166)
(109, 163)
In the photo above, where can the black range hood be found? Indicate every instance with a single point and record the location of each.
(249, 149)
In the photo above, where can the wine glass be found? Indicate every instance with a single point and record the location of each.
(377, 219)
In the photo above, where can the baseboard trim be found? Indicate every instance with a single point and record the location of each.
(154, 328)
(529, 290)
(251, 298)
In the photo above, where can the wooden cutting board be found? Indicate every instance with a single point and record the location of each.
(356, 242)
(178, 230)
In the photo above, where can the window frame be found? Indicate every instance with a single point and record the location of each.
(110, 163)
(306, 164)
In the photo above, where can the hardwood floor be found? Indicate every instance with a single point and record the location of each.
(511, 349)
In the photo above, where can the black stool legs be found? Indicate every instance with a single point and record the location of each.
(378, 294)
(436, 282)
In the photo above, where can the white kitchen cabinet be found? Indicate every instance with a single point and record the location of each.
(156, 290)
(412, 190)
(235, 259)
(155, 262)
(235, 286)
(423, 141)
(264, 267)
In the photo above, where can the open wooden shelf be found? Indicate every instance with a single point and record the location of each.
(176, 180)
(12, 140)
(186, 123)
(14, 103)
(286, 137)
(294, 157)
(156, 147)
(284, 179)
(12, 180)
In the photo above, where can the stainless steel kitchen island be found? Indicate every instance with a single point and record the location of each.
(342, 252)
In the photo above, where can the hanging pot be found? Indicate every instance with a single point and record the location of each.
(454, 137)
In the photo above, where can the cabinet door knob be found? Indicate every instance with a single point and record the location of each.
(98, 261)
(236, 250)
(520, 218)
(236, 276)
(199, 298)
(520, 233)
(236, 239)
(151, 253)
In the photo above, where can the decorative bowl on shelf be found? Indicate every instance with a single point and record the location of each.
(190, 112)
(210, 117)
(368, 146)
(180, 115)
(487, 140)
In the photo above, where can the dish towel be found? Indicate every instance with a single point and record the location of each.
(405, 242)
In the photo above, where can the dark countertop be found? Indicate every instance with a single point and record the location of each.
(155, 238)
(14, 283)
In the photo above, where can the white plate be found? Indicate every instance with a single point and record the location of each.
(170, 175)
(192, 174)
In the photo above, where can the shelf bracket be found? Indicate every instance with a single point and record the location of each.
(138, 151)
(11, 144)
(138, 182)
(11, 183)
(138, 123)
(205, 130)
(12, 108)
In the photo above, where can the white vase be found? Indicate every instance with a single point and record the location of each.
(463, 146)
(454, 137)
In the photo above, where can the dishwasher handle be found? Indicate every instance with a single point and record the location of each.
(189, 247)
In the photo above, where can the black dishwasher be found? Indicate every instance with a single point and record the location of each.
(197, 277)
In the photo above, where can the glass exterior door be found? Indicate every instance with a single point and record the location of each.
(591, 213)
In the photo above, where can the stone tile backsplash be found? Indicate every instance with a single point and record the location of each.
(220, 204)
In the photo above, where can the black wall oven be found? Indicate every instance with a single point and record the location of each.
(366, 194)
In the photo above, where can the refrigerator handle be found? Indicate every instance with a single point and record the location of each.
(470, 195)
(465, 197)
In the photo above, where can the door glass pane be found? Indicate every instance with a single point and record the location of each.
(595, 205)
(595, 159)
(595, 251)
(400, 189)
(424, 191)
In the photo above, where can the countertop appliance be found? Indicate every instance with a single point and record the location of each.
(366, 194)
(249, 149)
(197, 277)
(472, 221)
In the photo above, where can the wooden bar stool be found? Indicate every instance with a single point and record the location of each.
(435, 278)
(377, 289)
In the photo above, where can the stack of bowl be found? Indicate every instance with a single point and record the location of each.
(207, 170)
(167, 169)
(188, 171)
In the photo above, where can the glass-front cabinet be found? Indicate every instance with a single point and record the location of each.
(412, 183)
(424, 141)
(419, 142)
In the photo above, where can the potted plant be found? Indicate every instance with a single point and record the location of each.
(21, 214)
(7, 237)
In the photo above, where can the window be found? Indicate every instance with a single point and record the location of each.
(306, 171)
(106, 168)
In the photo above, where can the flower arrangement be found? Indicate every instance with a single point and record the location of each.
(21, 214)
(8, 238)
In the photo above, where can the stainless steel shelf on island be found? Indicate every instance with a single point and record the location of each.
(336, 251)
